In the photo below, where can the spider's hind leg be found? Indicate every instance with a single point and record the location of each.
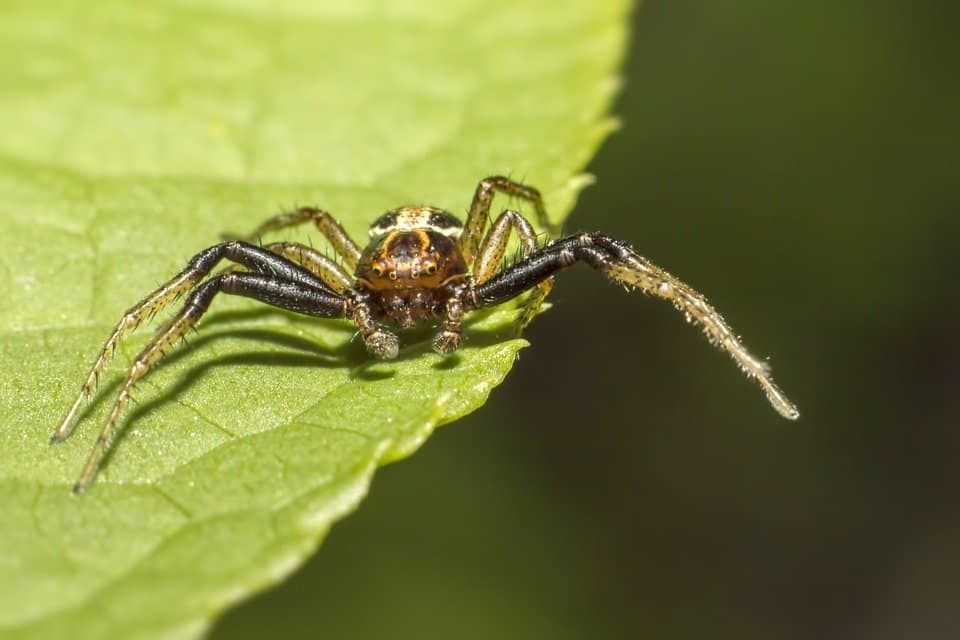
(490, 257)
(480, 210)
(335, 234)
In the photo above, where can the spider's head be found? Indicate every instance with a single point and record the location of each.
(410, 259)
(412, 248)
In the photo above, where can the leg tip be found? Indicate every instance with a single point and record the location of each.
(383, 345)
(446, 342)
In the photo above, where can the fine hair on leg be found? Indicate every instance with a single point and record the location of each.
(266, 288)
(619, 262)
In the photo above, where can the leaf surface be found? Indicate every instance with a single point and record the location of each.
(134, 135)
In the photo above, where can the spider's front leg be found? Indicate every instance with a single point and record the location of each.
(619, 262)
(285, 293)
(247, 255)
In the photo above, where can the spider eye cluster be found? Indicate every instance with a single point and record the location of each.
(410, 258)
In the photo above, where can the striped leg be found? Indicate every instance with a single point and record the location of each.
(490, 257)
(480, 211)
(616, 260)
(247, 255)
(267, 288)
(315, 262)
(341, 242)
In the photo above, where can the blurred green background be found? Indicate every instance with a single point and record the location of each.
(797, 162)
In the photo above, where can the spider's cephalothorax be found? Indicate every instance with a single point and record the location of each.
(421, 264)
(412, 266)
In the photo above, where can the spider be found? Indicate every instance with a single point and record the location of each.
(420, 264)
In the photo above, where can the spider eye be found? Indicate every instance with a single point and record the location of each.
(377, 271)
(431, 269)
(393, 275)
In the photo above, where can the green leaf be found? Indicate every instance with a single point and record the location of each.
(133, 135)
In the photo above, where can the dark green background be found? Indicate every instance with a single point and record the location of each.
(799, 162)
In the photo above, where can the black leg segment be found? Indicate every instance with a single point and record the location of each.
(274, 291)
(534, 269)
(619, 262)
(269, 289)
(256, 259)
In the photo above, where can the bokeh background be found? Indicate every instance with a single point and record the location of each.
(799, 163)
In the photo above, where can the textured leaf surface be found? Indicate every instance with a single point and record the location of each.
(133, 135)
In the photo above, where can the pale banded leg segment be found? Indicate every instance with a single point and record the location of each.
(266, 288)
(494, 247)
(341, 242)
(252, 257)
(315, 262)
(480, 210)
(620, 263)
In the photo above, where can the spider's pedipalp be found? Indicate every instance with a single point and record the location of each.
(380, 343)
(619, 262)
(450, 334)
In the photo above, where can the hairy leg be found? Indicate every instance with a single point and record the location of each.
(490, 258)
(448, 339)
(480, 210)
(341, 242)
(619, 262)
(199, 266)
(269, 289)
(315, 262)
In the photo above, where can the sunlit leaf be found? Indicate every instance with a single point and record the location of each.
(134, 134)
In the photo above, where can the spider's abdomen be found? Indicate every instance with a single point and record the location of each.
(410, 271)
